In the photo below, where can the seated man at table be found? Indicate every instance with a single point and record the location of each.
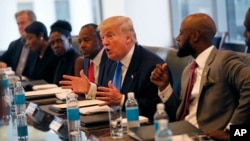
(120, 43)
(221, 92)
(94, 58)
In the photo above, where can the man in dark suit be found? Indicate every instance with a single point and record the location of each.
(17, 54)
(221, 91)
(120, 43)
(91, 48)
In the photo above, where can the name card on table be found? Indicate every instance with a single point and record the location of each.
(31, 109)
(59, 126)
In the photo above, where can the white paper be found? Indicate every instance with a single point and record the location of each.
(94, 109)
(47, 91)
(82, 103)
(44, 86)
(62, 96)
(142, 119)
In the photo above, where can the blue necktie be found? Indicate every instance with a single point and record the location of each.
(118, 75)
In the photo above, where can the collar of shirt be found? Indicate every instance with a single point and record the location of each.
(202, 58)
(126, 60)
(98, 57)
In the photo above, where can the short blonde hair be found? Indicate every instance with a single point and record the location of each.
(124, 23)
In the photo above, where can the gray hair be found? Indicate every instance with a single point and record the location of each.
(30, 13)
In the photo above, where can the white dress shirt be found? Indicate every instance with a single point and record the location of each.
(125, 64)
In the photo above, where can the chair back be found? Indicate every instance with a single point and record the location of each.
(219, 40)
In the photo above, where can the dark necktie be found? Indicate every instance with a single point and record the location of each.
(189, 90)
(118, 76)
(91, 72)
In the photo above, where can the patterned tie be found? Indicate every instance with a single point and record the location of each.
(189, 90)
(118, 76)
(91, 72)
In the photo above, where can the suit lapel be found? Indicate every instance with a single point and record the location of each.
(86, 66)
(205, 73)
(132, 69)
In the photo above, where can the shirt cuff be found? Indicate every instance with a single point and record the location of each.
(228, 127)
(166, 93)
(122, 102)
(92, 91)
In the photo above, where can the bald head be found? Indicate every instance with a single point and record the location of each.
(203, 23)
(196, 34)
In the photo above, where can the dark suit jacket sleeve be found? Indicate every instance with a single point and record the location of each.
(12, 54)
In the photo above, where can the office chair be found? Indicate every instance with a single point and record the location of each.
(219, 40)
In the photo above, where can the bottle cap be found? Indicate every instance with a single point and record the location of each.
(131, 95)
(160, 106)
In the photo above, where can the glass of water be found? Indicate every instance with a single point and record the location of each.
(115, 122)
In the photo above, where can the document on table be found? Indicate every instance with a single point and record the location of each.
(94, 109)
(44, 86)
(82, 103)
(142, 119)
(47, 91)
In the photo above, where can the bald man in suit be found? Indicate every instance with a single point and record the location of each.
(221, 91)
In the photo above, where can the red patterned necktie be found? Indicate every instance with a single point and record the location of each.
(91, 72)
(189, 90)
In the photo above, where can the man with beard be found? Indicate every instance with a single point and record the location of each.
(221, 92)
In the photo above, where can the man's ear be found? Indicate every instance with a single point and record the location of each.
(196, 36)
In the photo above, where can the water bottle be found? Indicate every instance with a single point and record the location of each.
(5, 87)
(20, 108)
(160, 114)
(164, 133)
(73, 117)
(132, 111)
(12, 85)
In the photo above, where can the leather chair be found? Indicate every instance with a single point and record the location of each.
(219, 39)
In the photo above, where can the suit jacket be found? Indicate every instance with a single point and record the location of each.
(225, 92)
(137, 80)
(103, 64)
(42, 68)
(13, 53)
(65, 65)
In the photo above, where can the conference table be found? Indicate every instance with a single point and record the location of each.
(42, 132)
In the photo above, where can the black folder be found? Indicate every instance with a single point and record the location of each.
(146, 133)
(95, 119)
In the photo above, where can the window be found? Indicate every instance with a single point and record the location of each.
(228, 15)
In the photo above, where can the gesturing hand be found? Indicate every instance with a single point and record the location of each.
(109, 94)
(159, 76)
(77, 84)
